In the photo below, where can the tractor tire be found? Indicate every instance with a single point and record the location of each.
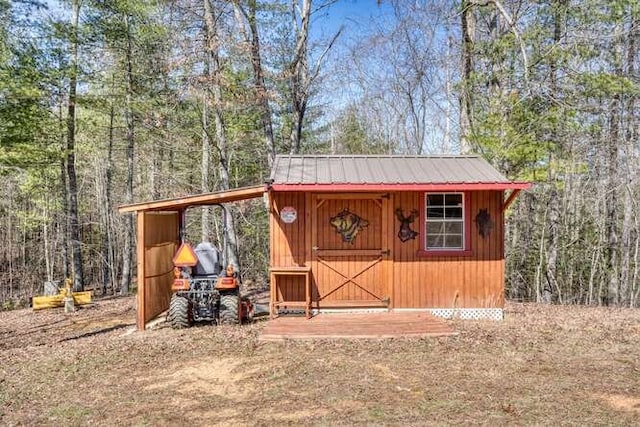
(179, 316)
(229, 309)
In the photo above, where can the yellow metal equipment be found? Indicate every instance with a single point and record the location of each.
(79, 298)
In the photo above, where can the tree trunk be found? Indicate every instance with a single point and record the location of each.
(154, 173)
(299, 74)
(468, 25)
(627, 282)
(212, 49)
(63, 224)
(47, 244)
(205, 187)
(127, 250)
(446, 145)
(253, 39)
(107, 237)
(554, 199)
(611, 195)
(72, 186)
(554, 242)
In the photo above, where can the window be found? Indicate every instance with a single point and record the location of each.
(444, 221)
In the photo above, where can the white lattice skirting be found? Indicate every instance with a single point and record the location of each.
(468, 313)
(462, 313)
(447, 313)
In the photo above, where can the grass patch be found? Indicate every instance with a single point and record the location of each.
(542, 365)
(68, 413)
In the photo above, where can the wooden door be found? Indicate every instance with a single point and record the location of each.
(350, 250)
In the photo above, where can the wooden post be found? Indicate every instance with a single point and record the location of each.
(272, 228)
(313, 235)
(388, 244)
(141, 273)
(308, 239)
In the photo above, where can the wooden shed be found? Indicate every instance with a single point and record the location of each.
(389, 232)
(359, 233)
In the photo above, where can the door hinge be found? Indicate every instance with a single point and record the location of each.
(386, 196)
(386, 252)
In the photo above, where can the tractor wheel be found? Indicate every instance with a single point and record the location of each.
(229, 309)
(179, 316)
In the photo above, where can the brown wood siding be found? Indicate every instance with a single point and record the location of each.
(350, 273)
(410, 279)
(157, 243)
(370, 237)
(287, 248)
(475, 281)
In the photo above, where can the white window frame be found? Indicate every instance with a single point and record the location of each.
(462, 220)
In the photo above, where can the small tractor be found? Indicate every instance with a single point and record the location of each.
(203, 290)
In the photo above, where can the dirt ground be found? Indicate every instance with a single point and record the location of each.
(542, 365)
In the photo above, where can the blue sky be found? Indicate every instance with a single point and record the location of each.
(354, 15)
(358, 20)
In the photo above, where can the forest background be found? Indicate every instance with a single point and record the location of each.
(106, 102)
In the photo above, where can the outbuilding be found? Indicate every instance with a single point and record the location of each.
(389, 232)
(360, 233)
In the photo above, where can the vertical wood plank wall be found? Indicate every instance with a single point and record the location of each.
(157, 243)
(288, 242)
(327, 280)
(475, 281)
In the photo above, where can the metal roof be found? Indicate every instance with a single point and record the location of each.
(178, 203)
(307, 172)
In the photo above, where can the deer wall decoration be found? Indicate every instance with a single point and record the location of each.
(406, 233)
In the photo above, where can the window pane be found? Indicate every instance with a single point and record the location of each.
(444, 222)
(435, 200)
(453, 213)
(453, 227)
(435, 213)
(435, 227)
(435, 241)
(453, 241)
(454, 199)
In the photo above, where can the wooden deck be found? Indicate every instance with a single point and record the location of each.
(356, 326)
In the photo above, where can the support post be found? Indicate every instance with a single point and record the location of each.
(141, 271)
(510, 199)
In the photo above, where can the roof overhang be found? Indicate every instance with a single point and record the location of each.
(180, 203)
(462, 186)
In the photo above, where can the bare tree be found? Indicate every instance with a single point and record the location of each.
(205, 185)
(611, 189)
(127, 249)
(105, 208)
(72, 186)
(406, 98)
(301, 74)
(559, 16)
(252, 38)
(212, 49)
(630, 223)
(466, 101)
